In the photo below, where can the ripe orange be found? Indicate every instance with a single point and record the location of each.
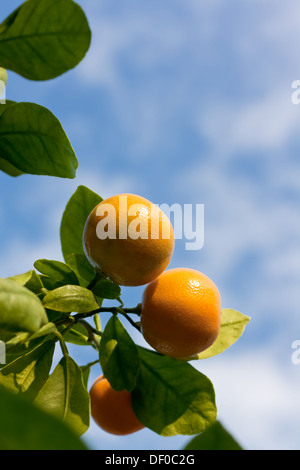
(129, 239)
(181, 313)
(112, 410)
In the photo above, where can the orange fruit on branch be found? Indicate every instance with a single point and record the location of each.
(181, 313)
(129, 239)
(112, 410)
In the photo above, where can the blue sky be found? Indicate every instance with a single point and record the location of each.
(189, 102)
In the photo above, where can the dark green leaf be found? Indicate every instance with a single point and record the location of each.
(119, 357)
(171, 397)
(49, 283)
(6, 166)
(65, 397)
(74, 218)
(82, 268)
(57, 270)
(43, 39)
(33, 141)
(107, 289)
(5, 105)
(55, 316)
(23, 426)
(9, 169)
(29, 372)
(20, 309)
(70, 299)
(233, 324)
(214, 438)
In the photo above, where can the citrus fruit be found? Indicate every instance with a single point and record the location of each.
(181, 313)
(112, 410)
(129, 239)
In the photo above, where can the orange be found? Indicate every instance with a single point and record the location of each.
(129, 239)
(181, 313)
(112, 410)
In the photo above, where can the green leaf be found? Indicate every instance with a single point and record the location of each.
(29, 372)
(43, 39)
(214, 438)
(33, 141)
(233, 324)
(107, 289)
(30, 280)
(23, 426)
(19, 338)
(171, 397)
(85, 370)
(13, 341)
(70, 299)
(82, 268)
(18, 344)
(78, 335)
(57, 270)
(119, 357)
(65, 397)
(44, 331)
(74, 218)
(20, 309)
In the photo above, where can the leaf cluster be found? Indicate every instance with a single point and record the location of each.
(62, 302)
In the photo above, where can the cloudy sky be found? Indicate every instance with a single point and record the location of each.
(190, 103)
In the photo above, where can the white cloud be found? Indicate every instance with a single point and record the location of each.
(257, 397)
(268, 123)
(20, 255)
(153, 43)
